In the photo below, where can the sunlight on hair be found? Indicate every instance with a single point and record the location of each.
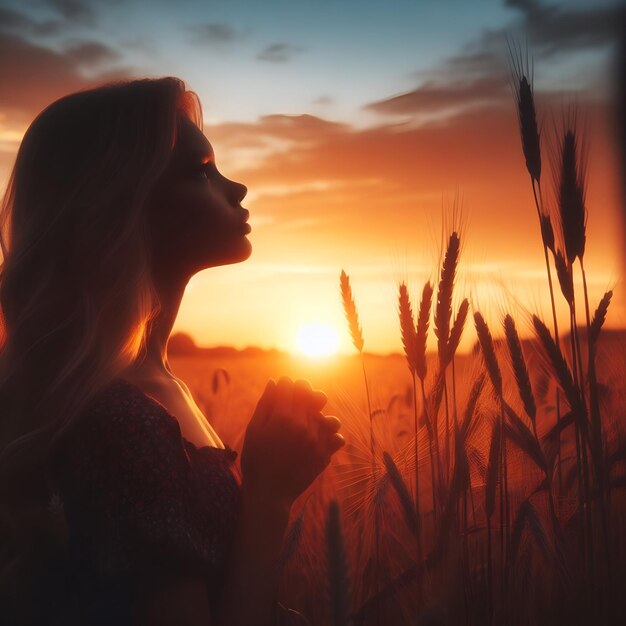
(317, 340)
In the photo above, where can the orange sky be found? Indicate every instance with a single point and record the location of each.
(362, 179)
(371, 202)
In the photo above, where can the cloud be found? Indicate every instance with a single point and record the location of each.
(214, 33)
(555, 29)
(478, 76)
(75, 11)
(90, 53)
(433, 97)
(12, 21)
(290, 129)
(323, 100)
(279, 52)
(32, 76)
(374, 186)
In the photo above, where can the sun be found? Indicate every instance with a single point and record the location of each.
(317, 340)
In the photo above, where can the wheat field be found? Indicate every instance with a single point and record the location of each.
(480, 488)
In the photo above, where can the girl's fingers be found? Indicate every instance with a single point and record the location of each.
(326, 423)
(301, 395)
(318, 400)
(313, 399)
(301, 400)
(265, 403)
(331, 423)
(324, 428)
(284, 397)
(302, 387)
(336, 441)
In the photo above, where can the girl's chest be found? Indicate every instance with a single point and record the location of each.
(178, 401)
(193, 424)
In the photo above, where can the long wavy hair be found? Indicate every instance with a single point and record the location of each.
(76, 291)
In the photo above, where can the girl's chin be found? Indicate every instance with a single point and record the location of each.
(237, 254)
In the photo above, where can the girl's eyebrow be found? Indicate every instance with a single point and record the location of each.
(193, 157)
(203, 156)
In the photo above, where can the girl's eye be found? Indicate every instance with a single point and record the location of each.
(204, 171)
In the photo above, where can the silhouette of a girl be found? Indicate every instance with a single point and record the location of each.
(119, 503)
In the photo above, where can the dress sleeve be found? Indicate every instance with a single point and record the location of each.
(135, 491)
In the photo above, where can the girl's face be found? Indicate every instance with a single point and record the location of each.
(195, 213)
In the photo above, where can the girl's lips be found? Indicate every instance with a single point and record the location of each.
(246, 227)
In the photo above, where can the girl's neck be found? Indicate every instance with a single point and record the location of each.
(154, 363)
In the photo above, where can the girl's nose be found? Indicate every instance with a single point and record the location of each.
(239, 191)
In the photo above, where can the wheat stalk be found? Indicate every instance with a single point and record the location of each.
(490, 500)
(599, 317)
(338, 573)
(472, 401)
(407, 329)
(571, 197)
(397, 482)
(491, 479)
(423, 320)
(566, 280)
(351, 312)
(489, 354)
(528, 516)
(457, 329)
(531, 146)
(579, 411)
(443, 308)
(491, 363)
(422, 330)
(357, 338)
(547, 232)
(570, 183)
(443, 315)
(519, 369)
(409, 341)
(559, 366)
(292, 539)
(527, 116)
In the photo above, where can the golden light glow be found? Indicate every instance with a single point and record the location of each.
(317, 340)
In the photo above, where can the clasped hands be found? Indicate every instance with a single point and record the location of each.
(288, 441)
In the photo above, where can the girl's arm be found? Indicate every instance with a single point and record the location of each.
(250, 590)
(286, 446)
(249, 595)
(162, 598)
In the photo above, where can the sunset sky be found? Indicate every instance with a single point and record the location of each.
(355, 125)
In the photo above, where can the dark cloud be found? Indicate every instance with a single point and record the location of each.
(32, 76)
(475, 64)
(212, 33)
(90, 53)
(279, 52)
(480, 73)
(555, 29)
(76, 11)
(12, 21)
(432, 97)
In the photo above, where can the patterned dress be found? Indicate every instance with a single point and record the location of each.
(135, 493)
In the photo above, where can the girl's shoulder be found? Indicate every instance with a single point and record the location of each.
(133, 487)
(122, 409)
(122, 401)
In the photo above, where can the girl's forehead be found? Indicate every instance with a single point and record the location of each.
(191, 143)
